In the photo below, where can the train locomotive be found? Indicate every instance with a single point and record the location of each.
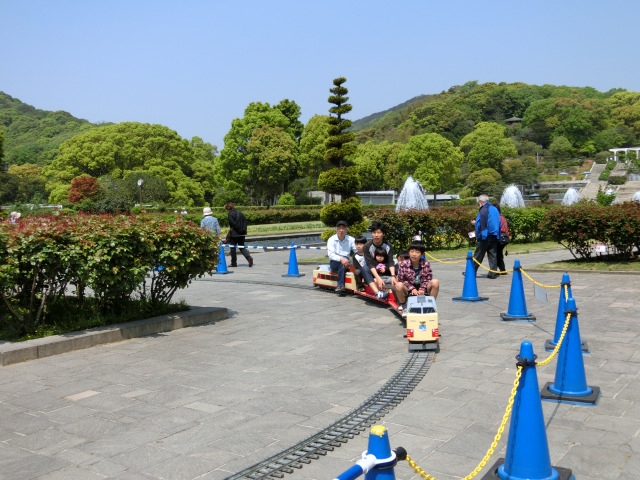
(421, 314)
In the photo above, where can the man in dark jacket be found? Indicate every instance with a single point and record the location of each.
(237, 232)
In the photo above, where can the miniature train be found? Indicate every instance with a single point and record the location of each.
(421, 314)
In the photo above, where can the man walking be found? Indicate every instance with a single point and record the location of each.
(487, 225)
(237, 232)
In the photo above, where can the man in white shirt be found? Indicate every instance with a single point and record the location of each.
(339, 248)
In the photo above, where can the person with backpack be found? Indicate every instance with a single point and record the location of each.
(236, 235)
(503, 240)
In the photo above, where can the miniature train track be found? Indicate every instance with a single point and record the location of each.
(391, 394)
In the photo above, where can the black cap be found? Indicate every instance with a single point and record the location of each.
(342, 222)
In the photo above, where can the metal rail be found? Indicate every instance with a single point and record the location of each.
(391, 394)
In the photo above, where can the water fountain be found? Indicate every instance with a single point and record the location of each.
(571, 196)
(512, 197)
(412, 196)
(636, 197)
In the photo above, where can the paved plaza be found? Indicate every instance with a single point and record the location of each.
(205, 402)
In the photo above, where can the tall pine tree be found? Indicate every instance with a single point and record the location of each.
(340, 144)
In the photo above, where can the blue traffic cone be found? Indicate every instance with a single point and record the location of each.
(293, 263)
(470, 286)
(222, 262)
(570, 384)
(527, 454)
(561, 317)
(517, 304)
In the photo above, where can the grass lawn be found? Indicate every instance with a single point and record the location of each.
(294, 227)
(600, 264)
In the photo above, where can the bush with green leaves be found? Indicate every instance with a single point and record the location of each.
(580, 226)
(109, 255)
(286, 199)
(349, 210)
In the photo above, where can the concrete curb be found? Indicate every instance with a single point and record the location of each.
(45, 347)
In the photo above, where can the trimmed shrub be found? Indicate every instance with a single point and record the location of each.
(350, 210)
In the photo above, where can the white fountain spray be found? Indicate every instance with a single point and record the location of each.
(571, 196)
(412, 197)
(512, 197)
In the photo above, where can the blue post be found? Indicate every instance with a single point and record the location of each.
(470, 286)
(570, 384)
(378, 461)
(293, 263)
(385, 459)
(527, 454)
(222, 262)
(565, 292)
(517, 304)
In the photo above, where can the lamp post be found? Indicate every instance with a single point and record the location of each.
(140, 182)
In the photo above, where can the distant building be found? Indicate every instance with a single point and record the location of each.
(380, 197)
(513, 120)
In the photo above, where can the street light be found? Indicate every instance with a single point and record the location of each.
(140, 182)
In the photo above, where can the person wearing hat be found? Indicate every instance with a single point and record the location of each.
(340, 246)
(14, 216)
(210, 222)
(415, 276)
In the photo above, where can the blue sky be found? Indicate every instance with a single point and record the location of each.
(194, 65)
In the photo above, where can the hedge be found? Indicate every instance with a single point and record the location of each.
(48, 258)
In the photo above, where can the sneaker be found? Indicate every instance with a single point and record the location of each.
(340, 289)
(233, 265)
(250, 262)
(382, 295)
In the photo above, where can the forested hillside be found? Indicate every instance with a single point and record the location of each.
(32, 135)
(472, 138)
(590, 120)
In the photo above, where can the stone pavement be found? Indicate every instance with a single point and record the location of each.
(207, 401)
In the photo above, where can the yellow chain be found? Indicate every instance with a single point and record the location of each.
(538, 283)
(494, 444)
(497, 272)
(442, 261)
(557, 347)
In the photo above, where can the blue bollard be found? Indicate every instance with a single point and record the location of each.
(517, 304)
(378, 461)
(527, 454)
(470, 285)
(561, 316)
(570, 384)
(293, 263)
(222, 262)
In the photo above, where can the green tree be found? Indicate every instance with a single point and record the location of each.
(120, 149)
(432, 160)
(482, 181)
(272, 161)
(377, 165)
(313, 147)
(561, 148)
(625, 110)
(233, 162)
(487, 146)
(204, 165)
(340, 144)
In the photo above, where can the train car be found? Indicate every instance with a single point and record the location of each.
(422, 323)
(325, 278)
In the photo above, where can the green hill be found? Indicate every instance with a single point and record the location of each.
(590, 120)
(32, 135)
